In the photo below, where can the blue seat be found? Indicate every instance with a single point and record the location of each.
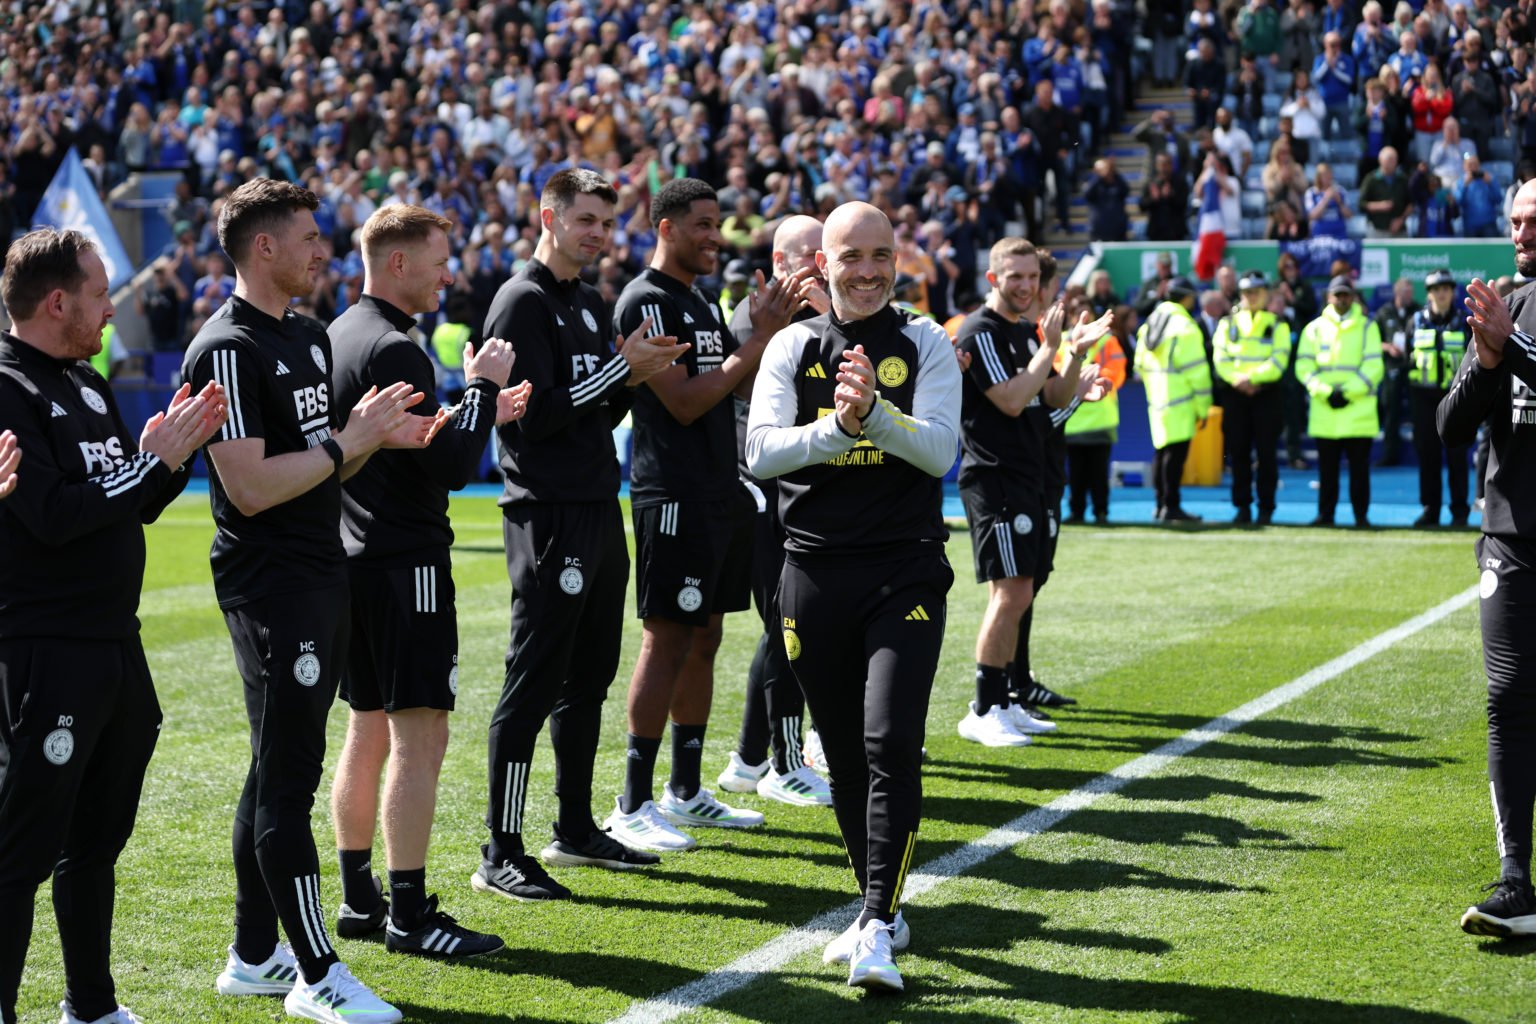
(1271, 104)
(1501, 147)
(1346, 175)
(1254, 227)
(1357, 226)
(1255, 203)
(1502, 172)
(1254, 179)
(1261, 151)
(1344, 151)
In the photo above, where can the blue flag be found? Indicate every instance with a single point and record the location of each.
(71, 202)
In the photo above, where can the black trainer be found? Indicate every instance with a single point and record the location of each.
(1508, 913)
(1040, 695)
(521, 878)
(438, 934)
(354, 924)
(597, 850)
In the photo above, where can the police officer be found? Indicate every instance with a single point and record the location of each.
(1494, 385)
(1437, 337)
(1170, 357)
(1395, 320)
(857, 413)
(1252, 349)
(78, 714)
(1338, 361)
(280, 574)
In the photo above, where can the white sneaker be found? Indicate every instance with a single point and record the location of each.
(840, 950)
(993, 729)
(703, 809)
(121, 1015)
(1025, 721)
(274, 976)
(812, 753)
(339, 998)
(802, 787)
(740, 777)
(871, 965)
(646, 829)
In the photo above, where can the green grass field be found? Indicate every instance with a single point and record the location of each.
(1310, 866)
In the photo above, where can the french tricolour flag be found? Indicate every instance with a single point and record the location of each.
(1212, 231)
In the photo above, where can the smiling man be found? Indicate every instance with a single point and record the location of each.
(280, 574)
(857, 414)
(688, 506)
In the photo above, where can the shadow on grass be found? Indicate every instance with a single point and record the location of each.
(792, 901)
(1508, 947)
(1089, 875)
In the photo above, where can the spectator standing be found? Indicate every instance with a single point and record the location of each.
(1449, 151)
(1304, 106)
(1165, 201)
(1384, 197)
(1394, 320)
(1334, 73)
(1233, 142)
(1205, 80)
(1432, 104)
(1258, 32)
(1106, 195)
(1056, 133)
(1479, 199)
(1325, 206)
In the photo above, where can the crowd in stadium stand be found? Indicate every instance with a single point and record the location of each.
(958, 119)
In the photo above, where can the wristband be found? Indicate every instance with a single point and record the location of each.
(333, 449)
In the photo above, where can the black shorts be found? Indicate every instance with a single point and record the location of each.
(1012, 532)
(693, 559)
(404, 651)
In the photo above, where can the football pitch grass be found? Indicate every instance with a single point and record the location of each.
(1309, 865)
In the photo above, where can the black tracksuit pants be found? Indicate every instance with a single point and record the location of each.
(1431, 453)
(1508, 587)
(289, 650)
(78, 723)
(1088, 473)
(775, 707)
(569, 569)
(863, 641)
(1168, 475)
(1252, 423)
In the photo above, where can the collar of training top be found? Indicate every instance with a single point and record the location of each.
(538, 268)
(401, 321)
(261, 317)
(25, 352)
(887, 319)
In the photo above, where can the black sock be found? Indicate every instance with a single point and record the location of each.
(687, 760)
(869, 915)
(504, 846)
(357, 890)
(991, 687)
(639, 774)
(407, 895)
(1516, 869)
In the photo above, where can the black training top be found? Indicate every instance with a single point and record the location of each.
(562, 449)
(673, 462)
(71, 536)
(1505, 398)
(396, 507)
(991, 441)
(277, 374)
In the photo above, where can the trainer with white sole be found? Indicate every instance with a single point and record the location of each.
(855, 415)
(692, 515)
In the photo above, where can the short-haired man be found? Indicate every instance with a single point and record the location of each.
(402, 670)
(1002, 471)
(566, 555)
(78, 714)
(687, 504)
(280, 573)
(857, 413)
(1495, 386)
(774, 709)
(1252, 351)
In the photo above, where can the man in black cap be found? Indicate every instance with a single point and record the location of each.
(1338, 361)
(1437, 340)
(1252, 350)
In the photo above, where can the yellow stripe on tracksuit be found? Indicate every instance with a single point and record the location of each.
(901, 878)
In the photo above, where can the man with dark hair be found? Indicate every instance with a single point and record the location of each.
(401, 676)
(78, 714)
(862, 597)
(566, 555)
(279, 570)
(774, 709)
(1002, 471)
(1495, 386)
(687, 505)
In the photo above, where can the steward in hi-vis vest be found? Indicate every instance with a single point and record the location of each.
(1253, 347)
(1437, 341)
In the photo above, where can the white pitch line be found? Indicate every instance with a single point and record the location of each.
(824, 927)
